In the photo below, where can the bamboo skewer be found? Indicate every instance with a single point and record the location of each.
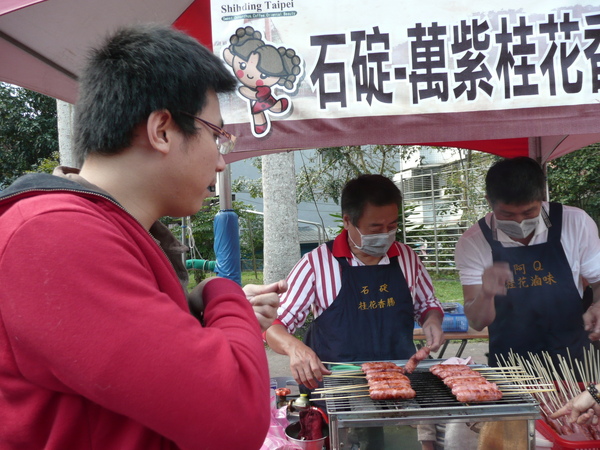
(343, 376)
(346, 372)
(524, 386)
(340, 363)
(526, 390)
(338, 387)
(342, 389)
(511, 379)
(344, 397)
(499, 368)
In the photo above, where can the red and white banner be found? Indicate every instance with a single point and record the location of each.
(329, 73)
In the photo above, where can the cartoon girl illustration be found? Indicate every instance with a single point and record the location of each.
(259, 67)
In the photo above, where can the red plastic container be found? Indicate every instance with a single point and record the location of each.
(561, 443)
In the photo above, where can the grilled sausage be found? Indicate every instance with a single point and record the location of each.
(377, 365)
(387, 381)
(388, 394)
(389, 384)
(463, 376)
(415, 359)
(478, 395)
(475, 387)
(385, 376)
(472, 381)
(445, 367)
(385, 369)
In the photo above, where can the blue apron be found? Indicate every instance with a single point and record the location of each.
(371, 318)
(542, 310)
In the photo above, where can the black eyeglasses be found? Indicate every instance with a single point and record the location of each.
(225, 141)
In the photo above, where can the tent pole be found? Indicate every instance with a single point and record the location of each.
(535, 148)
(64, 119)
(535, 152)
(224, 182)
(227, 234)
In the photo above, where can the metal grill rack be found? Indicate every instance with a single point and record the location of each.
(434, 403)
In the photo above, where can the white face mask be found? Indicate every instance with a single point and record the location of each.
(375, 244)
(518, 230)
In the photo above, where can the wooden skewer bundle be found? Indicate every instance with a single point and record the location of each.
(565, 379)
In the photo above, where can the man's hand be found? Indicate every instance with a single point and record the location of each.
(265, 301)
(494, 279)
(479, 298)
(591, 321)
(591, 318)
(195, 301)
(306, 367)
(581, 409)
(432, 327)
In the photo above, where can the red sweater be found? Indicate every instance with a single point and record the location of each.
(98, 349)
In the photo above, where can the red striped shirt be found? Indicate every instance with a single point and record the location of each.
(314, 282)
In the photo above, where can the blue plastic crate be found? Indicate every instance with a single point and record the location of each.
(455, 323)
(454, 318)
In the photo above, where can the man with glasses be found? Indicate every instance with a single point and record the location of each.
(364, 289)
(97, 343)
(225, 141)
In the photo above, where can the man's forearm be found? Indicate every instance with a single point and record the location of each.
(280, 339)
(479, 298)
(434, 316)
(479, 307)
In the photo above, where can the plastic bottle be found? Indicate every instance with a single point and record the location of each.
(302, 402)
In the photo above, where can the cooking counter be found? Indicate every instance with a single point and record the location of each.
(434, 404)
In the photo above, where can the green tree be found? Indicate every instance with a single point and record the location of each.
(574, 179)
(464, 185)
(329, 169)
(28, 131)
(251, 239)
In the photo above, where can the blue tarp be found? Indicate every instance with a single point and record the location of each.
(227, 245)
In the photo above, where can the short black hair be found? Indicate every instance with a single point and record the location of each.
(139, 70)
(373, 189)
(515, 181)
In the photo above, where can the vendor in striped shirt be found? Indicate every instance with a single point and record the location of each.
(364, 289)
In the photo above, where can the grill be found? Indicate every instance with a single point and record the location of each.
(434, 403)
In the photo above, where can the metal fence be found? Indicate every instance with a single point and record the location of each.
(440, 203)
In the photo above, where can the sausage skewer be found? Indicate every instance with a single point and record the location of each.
(392, 393)
(377, 365)
(467, 385)
(415, 359)
(478, 395)
(387, 381)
